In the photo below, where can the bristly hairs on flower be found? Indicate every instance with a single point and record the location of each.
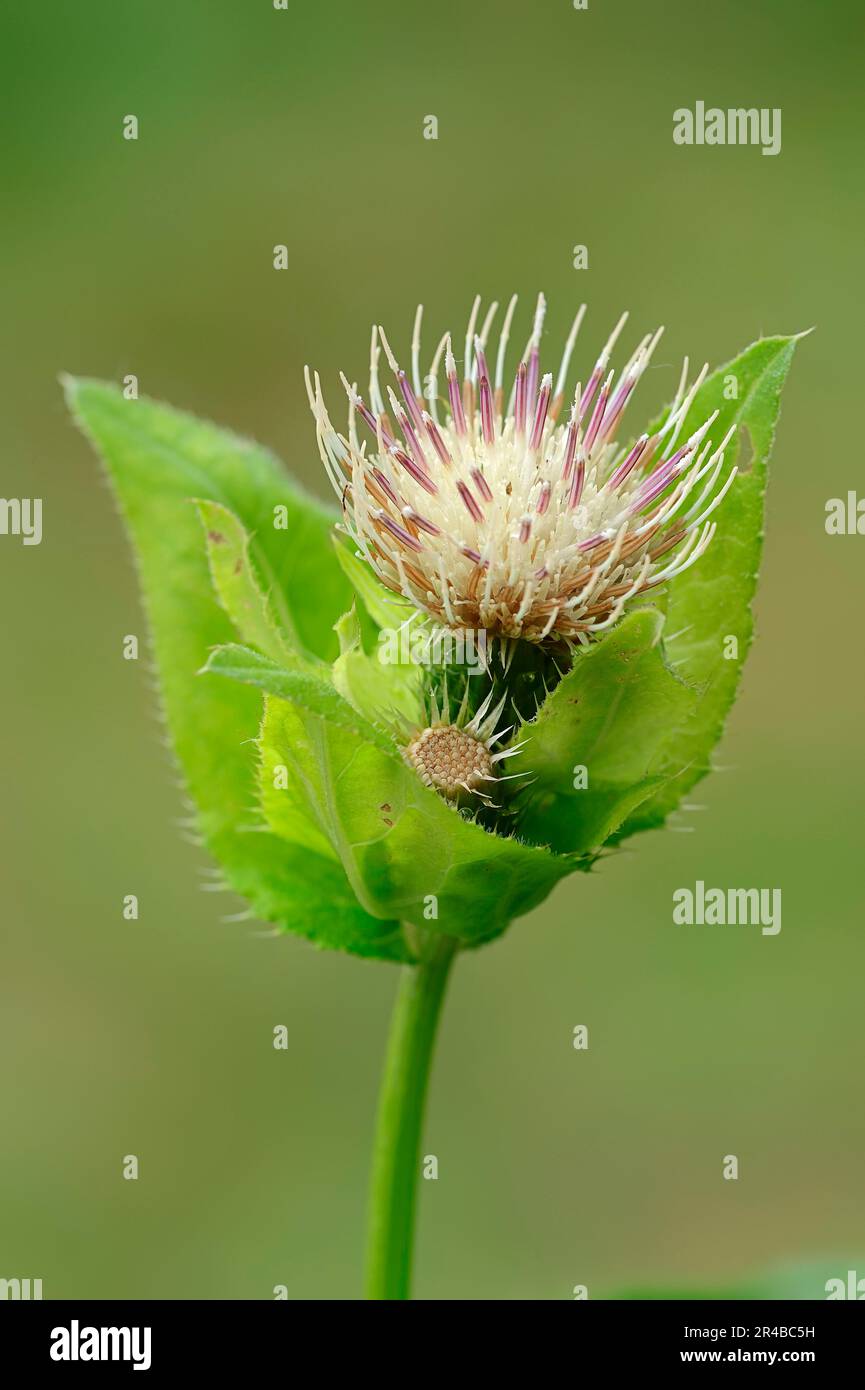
(457, 756)
(496, 517)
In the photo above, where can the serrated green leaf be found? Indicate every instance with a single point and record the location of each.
(712, 600)
(168, 457)
(375, 687)
(310, 689)
(237, 585)
(157, 459)
(308, 894)
(284, 799)
(610, 715)
(406, 852)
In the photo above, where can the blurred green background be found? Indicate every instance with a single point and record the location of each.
(304, 127)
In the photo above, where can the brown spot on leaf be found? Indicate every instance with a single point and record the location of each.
(217, 537)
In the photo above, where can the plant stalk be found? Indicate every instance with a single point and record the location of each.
(396, 1154)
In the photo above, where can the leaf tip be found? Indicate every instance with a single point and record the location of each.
(71, 387)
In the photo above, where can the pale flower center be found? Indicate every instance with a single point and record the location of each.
(450, 760)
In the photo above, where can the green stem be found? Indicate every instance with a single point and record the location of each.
(396, 1156)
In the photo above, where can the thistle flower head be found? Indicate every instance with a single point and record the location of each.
(450, 759)
(522, 517)
(458, 756)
